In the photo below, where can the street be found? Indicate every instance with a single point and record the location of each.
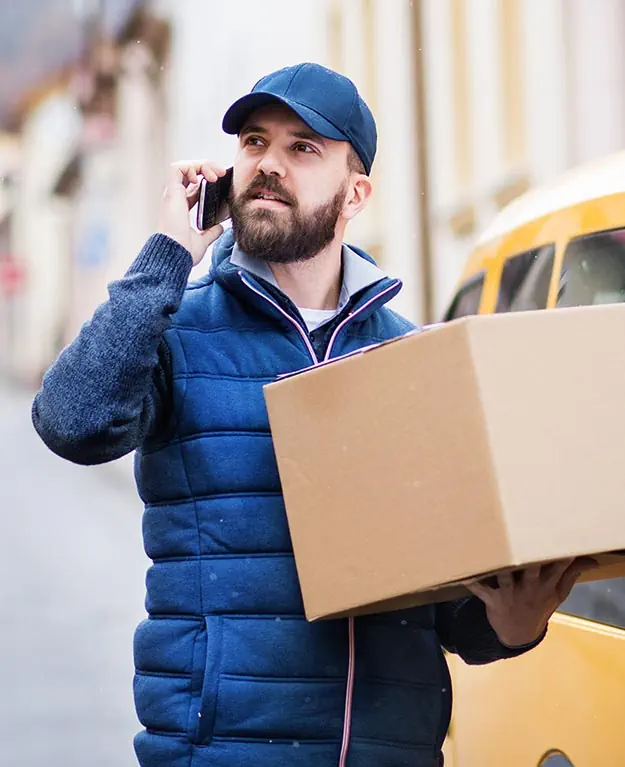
(71, 590)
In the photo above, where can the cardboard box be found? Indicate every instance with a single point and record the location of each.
(482, 445)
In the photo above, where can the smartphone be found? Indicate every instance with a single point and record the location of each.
(212, 207)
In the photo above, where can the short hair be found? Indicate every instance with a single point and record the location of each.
(354, 163)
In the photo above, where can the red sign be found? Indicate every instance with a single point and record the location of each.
(12, 276)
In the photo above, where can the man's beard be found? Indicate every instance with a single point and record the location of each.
(283, 237)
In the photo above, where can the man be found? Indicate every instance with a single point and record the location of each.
(228, 671)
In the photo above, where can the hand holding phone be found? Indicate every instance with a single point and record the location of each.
(180, 196)
(212, 205)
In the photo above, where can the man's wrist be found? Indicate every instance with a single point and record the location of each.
(523, 645)
(165, 258)
(180, 239)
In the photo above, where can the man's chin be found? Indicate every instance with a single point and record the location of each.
(265, 221)
(266, 214)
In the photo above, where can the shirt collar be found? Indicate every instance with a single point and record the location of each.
(358, 273)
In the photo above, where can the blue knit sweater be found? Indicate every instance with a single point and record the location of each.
(228, 671)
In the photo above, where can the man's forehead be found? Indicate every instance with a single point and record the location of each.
(279, 115)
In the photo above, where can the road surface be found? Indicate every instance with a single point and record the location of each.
(72, 573)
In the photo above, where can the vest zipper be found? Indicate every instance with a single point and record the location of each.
(353, 314)
(349, 693)
(293, 321)
(351, 666)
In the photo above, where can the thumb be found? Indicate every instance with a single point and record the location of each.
(203, 241)
(483, 592)
(212, 234)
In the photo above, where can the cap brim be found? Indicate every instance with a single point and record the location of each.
(236, 117)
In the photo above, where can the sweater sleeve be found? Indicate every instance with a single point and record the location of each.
(108, 389)
(463, 628)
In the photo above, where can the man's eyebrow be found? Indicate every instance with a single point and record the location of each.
(252, 129)
(309, 136)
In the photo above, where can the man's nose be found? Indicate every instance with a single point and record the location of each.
(271, 164)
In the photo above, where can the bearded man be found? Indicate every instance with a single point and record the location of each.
(228, 671)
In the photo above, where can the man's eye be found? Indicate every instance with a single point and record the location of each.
(306, 148)
(253, 141)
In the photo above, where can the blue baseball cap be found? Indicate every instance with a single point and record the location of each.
(326, 101)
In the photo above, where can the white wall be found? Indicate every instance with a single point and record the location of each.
(448, 252)
(485, 95)
(219, 51)
(597, 85)
(396, 159)
(140, 161)
(548, 122)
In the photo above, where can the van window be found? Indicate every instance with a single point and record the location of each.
(467, 299)
(593, 270)
(601, 601)
(525, 280)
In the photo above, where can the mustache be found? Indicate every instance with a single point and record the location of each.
(267, 184)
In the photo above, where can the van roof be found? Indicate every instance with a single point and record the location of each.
(586, 182)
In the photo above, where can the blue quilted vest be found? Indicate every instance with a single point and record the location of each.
(228, 671)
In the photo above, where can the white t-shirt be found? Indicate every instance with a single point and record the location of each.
(314, 318)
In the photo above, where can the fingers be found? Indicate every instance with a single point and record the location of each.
(490, 595)
(176, 177)
(567, 581)
(553, 572)
(211, 172)
(193, 194)
(483, 592)
(586, 563)
(189, 172)
(531, 575)
(535, 588)
(506, 581)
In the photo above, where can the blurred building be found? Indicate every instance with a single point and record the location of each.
(515, 92)
(11, 273)
(476, 100)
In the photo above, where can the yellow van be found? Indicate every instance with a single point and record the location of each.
(562, 705)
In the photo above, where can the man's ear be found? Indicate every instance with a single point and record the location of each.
(360, 189)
